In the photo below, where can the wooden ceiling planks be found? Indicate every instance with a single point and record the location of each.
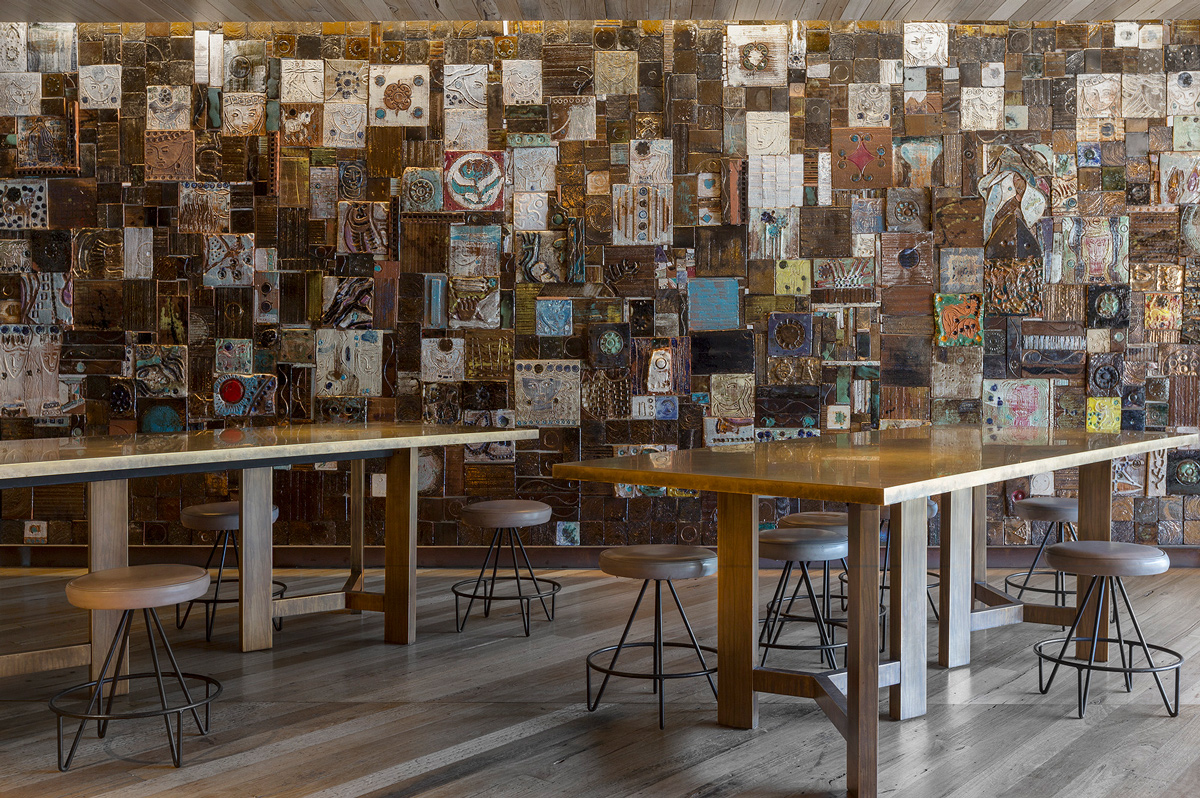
(337, 10)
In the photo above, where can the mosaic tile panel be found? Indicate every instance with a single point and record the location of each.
(632, 235)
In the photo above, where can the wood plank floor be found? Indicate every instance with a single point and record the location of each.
(334, 712)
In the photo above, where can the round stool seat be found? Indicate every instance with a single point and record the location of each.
(803, 544)
(1105, 558)
(659, 561)
(506, 513)
(1048, 508)
(216, 516)
(815, 519)
(138, 587)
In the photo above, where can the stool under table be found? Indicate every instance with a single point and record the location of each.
(140, 587)
(507, 517)
(224, 518)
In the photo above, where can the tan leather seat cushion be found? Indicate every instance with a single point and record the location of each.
(1105, 558)
(659, 561)
(1047, 508)
(138, 587)
(797, 545)
(506, 513)
(815, 520)
(216, 516)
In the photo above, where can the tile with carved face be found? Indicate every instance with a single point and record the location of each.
(547, 393)
(243, 114)
(464, 86)
(522, 82)
(301, 80)
(168, 108)
(349, 363)
(100, 86)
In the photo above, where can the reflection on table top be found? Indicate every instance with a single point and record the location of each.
(878, 467)
(48, 458)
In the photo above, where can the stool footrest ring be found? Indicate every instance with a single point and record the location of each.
(1072, 662)
(1013, 581)
(467, 589)
(207, 681)
(643, 674)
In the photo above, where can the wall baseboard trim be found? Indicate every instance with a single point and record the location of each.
(443, 556)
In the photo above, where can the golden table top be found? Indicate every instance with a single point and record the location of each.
(45, 460)
(878, 467)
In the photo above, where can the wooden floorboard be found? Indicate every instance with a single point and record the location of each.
(332, 711)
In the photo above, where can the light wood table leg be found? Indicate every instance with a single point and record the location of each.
(254, 572)
(1095, 523)
(108, 547)
(957, 541)
(906, 624)
(737, 609)
(358, 506)
(400, 549)
(979, 555)
(862, 657)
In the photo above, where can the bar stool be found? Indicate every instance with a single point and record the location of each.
(932, 579)
(1108, 563)
(506, 516)
(224, 518)
(661, 562)
(801, 544)
(1059, 512)
(140, 587)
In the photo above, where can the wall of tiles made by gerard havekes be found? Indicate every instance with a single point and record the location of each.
(628, 234)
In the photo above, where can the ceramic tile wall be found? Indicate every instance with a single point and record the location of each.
(628, 234)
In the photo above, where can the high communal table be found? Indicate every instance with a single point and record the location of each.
(107, 463)
(901, 468)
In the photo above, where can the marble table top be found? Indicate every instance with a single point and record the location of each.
(878, 467)
(44, 460)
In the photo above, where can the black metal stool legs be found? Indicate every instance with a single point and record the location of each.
(102, 717)
(778, 615)
(484, 587)
(1102, 587)
(120, 637)
(1056, 529)
(658, 675)
(210, 604)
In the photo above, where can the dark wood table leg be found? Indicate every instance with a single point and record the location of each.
(737, 609)
(1095, 523)
(862, 661)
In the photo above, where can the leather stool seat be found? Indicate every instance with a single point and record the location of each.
(803, 544)
(1105, 558)
(216, 516)
(659, 561)
(815, 519)
(1048, 508)
(506, 513)
(138, 587)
